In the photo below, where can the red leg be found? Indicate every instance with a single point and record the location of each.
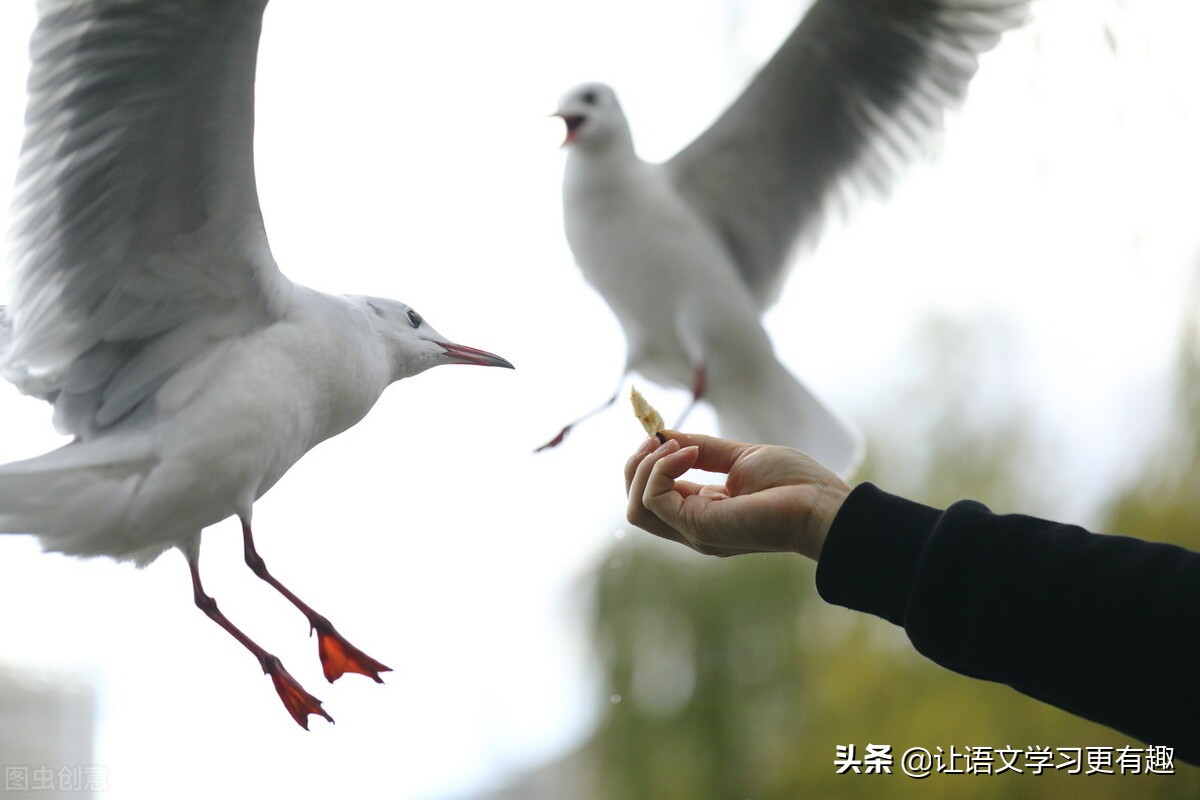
(699, 386)
(338, 656)
(299, 703)
(558, 439)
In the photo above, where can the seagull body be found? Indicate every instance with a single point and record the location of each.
(213, 438)
(690, 253)
(689, 320)
(147, 308)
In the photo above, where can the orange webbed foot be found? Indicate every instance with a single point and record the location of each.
(339, 656)
(299, 703)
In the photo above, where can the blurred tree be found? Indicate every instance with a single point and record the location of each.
(704, 672)
(1164, 502)
(957, 425)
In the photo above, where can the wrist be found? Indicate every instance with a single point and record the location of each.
(826, 500)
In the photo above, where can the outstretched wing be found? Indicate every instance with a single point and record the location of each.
(5, 333)
(137, 238)
(850, 97)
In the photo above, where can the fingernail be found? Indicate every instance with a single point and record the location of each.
(646, 447)
(665, 446)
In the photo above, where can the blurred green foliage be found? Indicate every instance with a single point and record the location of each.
(1165, 503)
(730, 679)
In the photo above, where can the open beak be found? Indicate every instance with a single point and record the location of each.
(574, 123)
(461, 354)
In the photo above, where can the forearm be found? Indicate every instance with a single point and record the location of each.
(1106, 627)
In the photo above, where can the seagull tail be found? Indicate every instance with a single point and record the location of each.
(772, 407)
(74, 498)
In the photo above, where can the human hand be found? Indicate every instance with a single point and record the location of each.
(775, 499)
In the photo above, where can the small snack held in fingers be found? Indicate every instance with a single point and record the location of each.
(651, 420)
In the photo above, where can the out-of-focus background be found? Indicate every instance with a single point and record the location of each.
(1017, 324)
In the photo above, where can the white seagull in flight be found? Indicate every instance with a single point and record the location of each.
(147, 308)
(690, 253)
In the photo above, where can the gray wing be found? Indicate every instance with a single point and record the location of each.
(5, 333)
(853, 94)
(137, 238)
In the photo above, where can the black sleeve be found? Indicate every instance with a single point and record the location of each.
(1106, 627)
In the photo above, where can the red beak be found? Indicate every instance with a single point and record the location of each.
(574, 123)
(461, 354)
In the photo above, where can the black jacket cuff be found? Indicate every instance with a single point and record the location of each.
(872, 552)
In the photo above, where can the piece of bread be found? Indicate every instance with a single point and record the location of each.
(651, 420)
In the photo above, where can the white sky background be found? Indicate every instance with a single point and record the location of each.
(406, 152)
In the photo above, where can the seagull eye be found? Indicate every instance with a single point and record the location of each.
(414, 318)
(589, 97)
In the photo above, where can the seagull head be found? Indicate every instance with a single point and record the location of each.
(413, 344)
(592, 115)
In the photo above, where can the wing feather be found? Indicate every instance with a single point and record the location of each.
(136, 231)
(852, 96)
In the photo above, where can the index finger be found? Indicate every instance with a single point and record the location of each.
(716, 455)
(647, 447)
